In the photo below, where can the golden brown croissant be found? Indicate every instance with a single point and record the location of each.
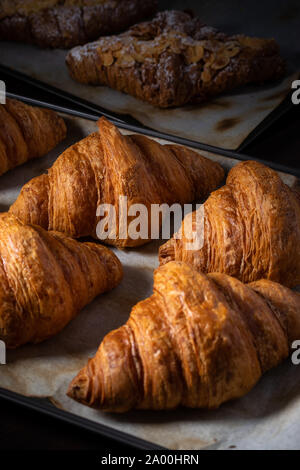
(46, 279)
(102, 167)
(26, 133)
(198, 341)
(251, 229)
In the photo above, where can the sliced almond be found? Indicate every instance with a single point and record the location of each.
(125, 61)
(107, 59)
(194, 54)
(255, 43)
(220, 62)
(206, 75)
(233, 52)
(210, 59)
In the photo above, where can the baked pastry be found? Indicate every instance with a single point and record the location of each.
(198, 341)
(102, 168)
(67, 23)
(46, 279)
(251, 229)
(175, 59)
(26, 133)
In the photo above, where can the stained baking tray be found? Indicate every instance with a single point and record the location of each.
(91, 113)
(153, 430)
(17, 79)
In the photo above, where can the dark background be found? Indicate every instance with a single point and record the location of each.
(24, 429)
(279, 19)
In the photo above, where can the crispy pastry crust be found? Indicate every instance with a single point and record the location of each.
(26, 133)
(101, 168)
(65, 24)
(46, 279)
(251, 229)
(198, 341)
(175, 59)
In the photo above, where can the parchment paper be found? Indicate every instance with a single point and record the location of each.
(224, 122)
(268, 417)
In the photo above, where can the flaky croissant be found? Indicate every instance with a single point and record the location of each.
(198, 341)
(102, 167)
(27, 133)
(46, 279)
(251, 229)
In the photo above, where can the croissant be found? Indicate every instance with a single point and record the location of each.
(67, 23)
(27, 133)
(251, 229)
(198, 341)
(46, 279)
(175, 59)
(101, 168)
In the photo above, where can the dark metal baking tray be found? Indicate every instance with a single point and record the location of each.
(94, 116)
(84, 108)
(44, 406)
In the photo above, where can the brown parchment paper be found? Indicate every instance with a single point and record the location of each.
(224, 122)
(268, 417)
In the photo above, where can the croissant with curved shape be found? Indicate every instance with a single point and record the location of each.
(198, 341)
(251, 229)
(46, 279)
(102, 168)
(27, 132)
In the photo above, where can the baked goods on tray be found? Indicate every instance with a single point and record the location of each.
(67, 23)
(26, 133)
(175, 59)
(46, 279)
(106, 166)
(198, 341)
(251, 229)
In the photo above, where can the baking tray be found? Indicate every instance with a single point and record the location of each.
(43, 406)
(93, 115)
(20, 78)
(163, 427)
(225, 121)
(266, 18)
